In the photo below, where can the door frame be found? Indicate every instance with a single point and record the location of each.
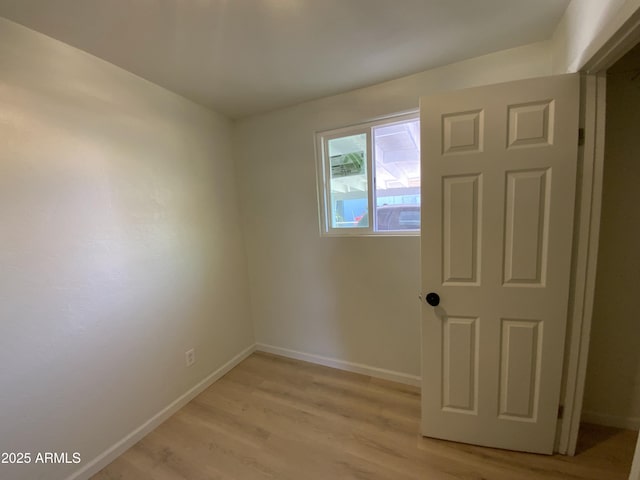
(606, 49)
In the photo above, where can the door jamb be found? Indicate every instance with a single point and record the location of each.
(587, 229)
(635, 468)
(585, 256)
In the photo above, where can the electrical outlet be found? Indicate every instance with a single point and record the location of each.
(190, 357)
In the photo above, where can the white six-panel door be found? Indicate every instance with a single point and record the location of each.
(498, 183)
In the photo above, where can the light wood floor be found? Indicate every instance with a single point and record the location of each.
(276, 418)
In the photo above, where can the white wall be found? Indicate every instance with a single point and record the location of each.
(120, 248)
(352, 299)
(612, 388)
(584, 29)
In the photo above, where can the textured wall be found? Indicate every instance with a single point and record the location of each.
(120, 248)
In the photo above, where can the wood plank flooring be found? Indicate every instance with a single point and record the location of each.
(277, 418)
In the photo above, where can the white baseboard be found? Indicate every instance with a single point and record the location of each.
(629, 423)
(113, 452)
(342, 365)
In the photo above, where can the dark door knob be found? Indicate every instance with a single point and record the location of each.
(433, 299)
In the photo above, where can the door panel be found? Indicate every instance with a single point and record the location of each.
(460, 365)
(498, 170)
(526, 227)
(519, 369)
(461, 243)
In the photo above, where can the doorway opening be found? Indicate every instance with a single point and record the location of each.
(612, 384)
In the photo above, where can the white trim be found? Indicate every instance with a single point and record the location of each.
(117, 449)
(342, 364)
(611, 44)
(628, 423)
(586, 255)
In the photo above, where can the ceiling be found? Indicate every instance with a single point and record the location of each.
(242, 57)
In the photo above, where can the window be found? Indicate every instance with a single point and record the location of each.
(373, 164)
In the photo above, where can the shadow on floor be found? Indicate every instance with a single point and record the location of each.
(592, 435)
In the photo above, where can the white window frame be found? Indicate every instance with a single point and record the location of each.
(323, 168)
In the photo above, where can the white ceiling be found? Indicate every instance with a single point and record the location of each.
(242, 57)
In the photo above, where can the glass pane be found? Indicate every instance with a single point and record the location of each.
(397, 173)
(348, 188)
